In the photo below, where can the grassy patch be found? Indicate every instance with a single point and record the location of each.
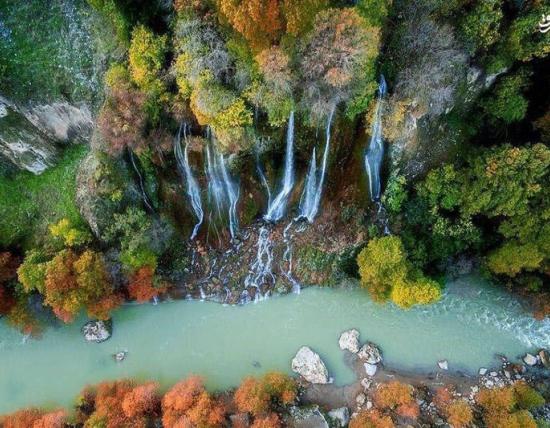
(30, 203)
(48, 50)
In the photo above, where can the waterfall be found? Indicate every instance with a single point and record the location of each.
(277, 208)
(263, 179)
(193, 190)
(222, 191)
(375, 152)
(232, 191)
(261, 270)
(141, 182)
(311, 197)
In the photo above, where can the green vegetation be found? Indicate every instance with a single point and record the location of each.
(29, 204)
(387, 274)
(46, 53)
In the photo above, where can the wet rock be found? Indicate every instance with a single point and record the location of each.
(240, 420)
(340, 416)
(120, 356)
(482, 371)
(366, 384)
(443, 364)
(370, 369)
(370, 353)
(530, 359)
(309, 365)
(349, 340)
(544, 356)
(306, 418)
(97, 331)
(361, 399)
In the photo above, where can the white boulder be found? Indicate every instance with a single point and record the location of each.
(370, 369)
(443, 364)
(530, 360)
(349, 340)
(309, 365)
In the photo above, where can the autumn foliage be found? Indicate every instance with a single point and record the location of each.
(371, 419)
(189, 404)
(74, 281)
(120, 403)
(399, 397)
(257, 396)
(509, 406)
(122, 120)
(141, 285)
(34, 418)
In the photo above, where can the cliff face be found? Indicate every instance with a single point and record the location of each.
(32, 137)
(52, 60)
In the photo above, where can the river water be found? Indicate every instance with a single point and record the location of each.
(166, 342)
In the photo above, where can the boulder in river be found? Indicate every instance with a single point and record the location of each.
(349, 340)
(544, 356)
(443, 364)
(340, 416)
(530, 359)
(370, 369)
(97, 331)
(309, 365)
(370, 353)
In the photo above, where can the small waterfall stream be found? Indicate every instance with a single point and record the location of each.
(277, 208)
(375, 152)
(193, 190)
(144, 196)
(313, 189)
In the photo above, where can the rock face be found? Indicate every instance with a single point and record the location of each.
(349, 340)
(340, 416)
(309, 365)
(31, 137)
(370, 353)
(544, 356)
(97, 331)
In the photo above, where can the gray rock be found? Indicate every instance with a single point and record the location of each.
(370, 353)
(97, 331)
(306, 418)
(349, 340)
(240, 419)
(443, 364)
(340, 416)
(309, 365)
(530, 360)
(361, 399)
(544, 356)
(482, 371)
(370, 369)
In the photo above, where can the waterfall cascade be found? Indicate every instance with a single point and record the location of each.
(193, 190)
(277, 207)
(375, 152)
(222, 190)
(313, 189)
(144, 196)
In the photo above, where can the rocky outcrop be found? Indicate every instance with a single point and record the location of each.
(370, 353)
(306, 418)
(434, 78)
(349, 340)
(340, 416)
(23, 144)
(104, 187)
(97, 331)
(309, 365)
(31, 136)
